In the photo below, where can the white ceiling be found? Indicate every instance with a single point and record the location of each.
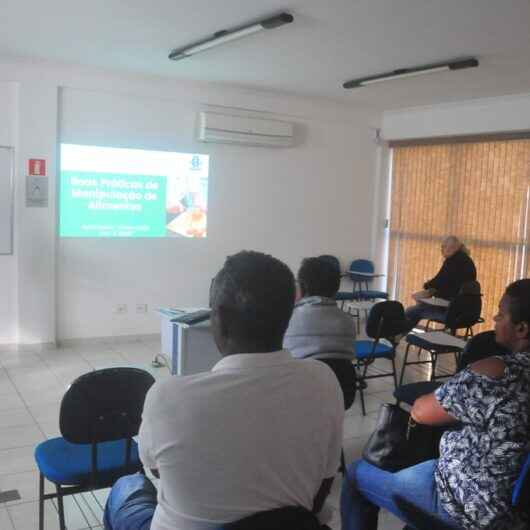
(329, 42)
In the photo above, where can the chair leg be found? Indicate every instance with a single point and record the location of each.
(361, 388)
(394, 375)
(60, 507)
(41, 502)
(457, 360)
(363, 406)
(434, 358)
(404, 365)
(342, 467)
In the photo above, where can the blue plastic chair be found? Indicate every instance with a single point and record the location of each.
(99, 415)
(521, 490)
(386, 320)
(366, 266)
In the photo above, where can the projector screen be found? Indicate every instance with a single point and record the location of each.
(114, 192)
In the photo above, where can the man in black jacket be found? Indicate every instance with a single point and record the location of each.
(457, 269)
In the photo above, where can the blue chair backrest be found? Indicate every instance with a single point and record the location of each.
(521, 490)
(361, 265)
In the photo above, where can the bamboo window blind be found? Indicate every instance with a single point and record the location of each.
(476, 190)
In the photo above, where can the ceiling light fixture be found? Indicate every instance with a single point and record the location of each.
(224, 36)
(457, 64)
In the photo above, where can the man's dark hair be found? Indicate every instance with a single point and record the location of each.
(318, 277)
(518, 294)
(258, 293)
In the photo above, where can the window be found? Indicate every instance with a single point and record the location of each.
(477, 190)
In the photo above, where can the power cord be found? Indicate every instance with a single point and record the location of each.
(160, 361)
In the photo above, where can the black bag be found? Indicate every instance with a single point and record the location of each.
(399, 442)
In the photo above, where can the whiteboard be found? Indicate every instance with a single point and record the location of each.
(6, 200)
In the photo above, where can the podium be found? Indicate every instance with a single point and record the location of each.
(190, 349)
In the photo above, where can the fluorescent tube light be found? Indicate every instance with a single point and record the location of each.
(224, 36)
(412, 72)
(402, 76)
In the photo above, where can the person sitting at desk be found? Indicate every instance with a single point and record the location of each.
(457, 269)
(260, 431)
(318, 328)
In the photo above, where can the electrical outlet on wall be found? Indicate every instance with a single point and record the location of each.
(120, 309)
(141, 308)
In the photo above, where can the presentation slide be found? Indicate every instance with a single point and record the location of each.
(114, 192)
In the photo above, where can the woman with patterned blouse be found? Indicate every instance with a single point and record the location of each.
(470, 485)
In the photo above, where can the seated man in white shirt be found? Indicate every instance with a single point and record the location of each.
(260, 431)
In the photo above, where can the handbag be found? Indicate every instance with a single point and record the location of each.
(399, 442)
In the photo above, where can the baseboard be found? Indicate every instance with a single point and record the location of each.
(119, 339)
(73, 342)
(33, 347)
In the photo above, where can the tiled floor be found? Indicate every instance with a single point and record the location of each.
(32, 383)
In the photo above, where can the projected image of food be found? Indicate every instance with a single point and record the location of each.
(186, 211)
(115, 192)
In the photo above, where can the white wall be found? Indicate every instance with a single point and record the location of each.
(481, 116)
(311, 199)
(317, 197)
(8, 264)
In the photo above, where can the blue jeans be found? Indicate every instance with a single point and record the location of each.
(367, 488)
(131, 504)
(422, 311)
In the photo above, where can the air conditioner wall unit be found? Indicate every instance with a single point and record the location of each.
(223, 128)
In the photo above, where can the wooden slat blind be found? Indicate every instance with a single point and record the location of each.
(478, 191)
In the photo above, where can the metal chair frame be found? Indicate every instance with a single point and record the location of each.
(362, 365)
(95, 482)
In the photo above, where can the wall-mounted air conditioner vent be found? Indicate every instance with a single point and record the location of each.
(223, 128)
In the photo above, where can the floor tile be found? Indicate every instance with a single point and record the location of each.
(334, 495)
(17, 460)
(5, 520)
(372, 403)
(388, 521)
(359, 425)
(353, 448)
(19, 436)
(334, 523)
(26, 516)
(68, 374)
(99, 355)
(15, 417)
(19, 360)
(50, 429)
(36, 383)
(27, 484)
(110, 361)
(76, 513)
(91, 504)
(11, 400)
(48, 412)
(44, 397)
